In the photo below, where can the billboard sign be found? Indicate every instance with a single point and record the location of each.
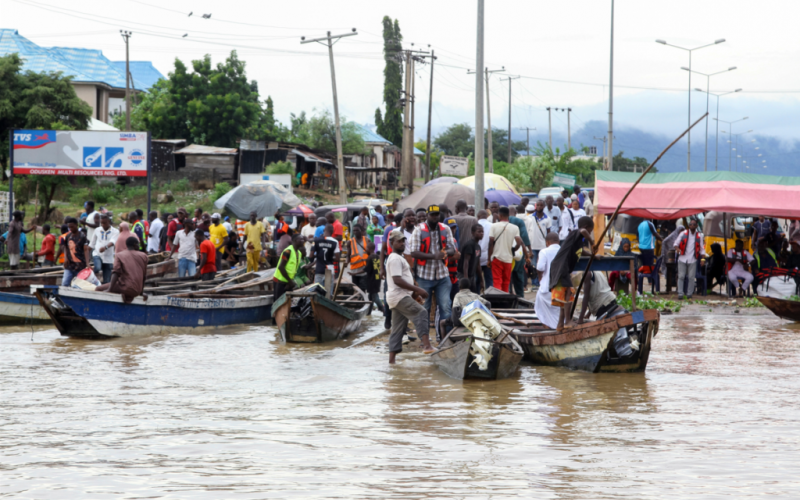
(56, 152)
(564, 180)
(453, 165)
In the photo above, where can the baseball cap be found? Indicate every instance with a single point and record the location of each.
(433, 208)
(215, 216)
(530, 208)
(396, 235)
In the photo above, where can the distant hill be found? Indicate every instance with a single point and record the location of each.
(781, 158)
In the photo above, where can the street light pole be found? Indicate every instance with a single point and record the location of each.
(716, 139)
(730, 132)
(708, 97)
(611, 95)
(689, 118)
(329, 41)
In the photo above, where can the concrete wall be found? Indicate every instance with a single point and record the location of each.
(88, 94)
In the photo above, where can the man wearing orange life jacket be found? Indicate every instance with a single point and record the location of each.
(690, 248)
(431, 243)
(357, 257)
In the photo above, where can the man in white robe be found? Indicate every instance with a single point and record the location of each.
(547, 313)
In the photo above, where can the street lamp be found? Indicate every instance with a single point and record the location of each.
(708, 90)
(730, 127)
(716, 139)
(689, 118)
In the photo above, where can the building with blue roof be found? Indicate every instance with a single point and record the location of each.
(96, 79)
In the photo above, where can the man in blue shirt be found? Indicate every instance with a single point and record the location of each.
(518, 272)
(647, 242)
(581, 196)
(379, 215)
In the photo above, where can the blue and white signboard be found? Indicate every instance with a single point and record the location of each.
(56, 152)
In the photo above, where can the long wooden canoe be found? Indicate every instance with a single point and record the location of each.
(306, 315)
(783, 308)
(589, 346)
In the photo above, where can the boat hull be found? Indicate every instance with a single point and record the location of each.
(109, 316)
(455, 360)
(588, 347)
(17, 308)
(326, 320)
(783, 308)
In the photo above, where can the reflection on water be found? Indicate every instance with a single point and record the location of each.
(238, 414)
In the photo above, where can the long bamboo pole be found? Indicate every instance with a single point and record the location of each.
(611, 220)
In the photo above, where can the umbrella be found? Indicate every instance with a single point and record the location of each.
(300, 211)
(443, 180)
(490, 181)
(263, 197)
(504, 198)
(439, 194)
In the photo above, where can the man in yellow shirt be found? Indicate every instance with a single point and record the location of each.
(219, 237)
(253, 241)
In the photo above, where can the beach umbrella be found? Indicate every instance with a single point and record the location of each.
(263, 197)
(504, 198)
(490, 181)
(300, 211)
(442, 180)
(438, 194)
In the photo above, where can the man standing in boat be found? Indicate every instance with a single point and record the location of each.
(403, 298)
(288, 264)
(76, 252)
(431, 243)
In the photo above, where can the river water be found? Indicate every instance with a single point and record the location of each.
(238, 415)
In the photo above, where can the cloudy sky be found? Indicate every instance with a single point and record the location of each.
(560, 48)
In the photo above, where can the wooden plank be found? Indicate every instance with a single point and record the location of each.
(634, 284)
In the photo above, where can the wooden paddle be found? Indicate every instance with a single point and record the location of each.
(339, 280)
(611, 220)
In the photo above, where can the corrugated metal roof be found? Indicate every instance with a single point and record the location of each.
(311, 156)
(142, 71)
(170, 141)
(198, 149)
(370, 136)
(84, 65)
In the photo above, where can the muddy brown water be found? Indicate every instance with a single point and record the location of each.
(235, 414)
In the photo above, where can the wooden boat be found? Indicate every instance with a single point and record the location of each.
(783, 308)
(589, 346)
(16, 308)
(20, 306)
(454, 359)
(308, 315)
(90, 314)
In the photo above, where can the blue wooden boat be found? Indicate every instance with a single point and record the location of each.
(90, 314)
(18, 308)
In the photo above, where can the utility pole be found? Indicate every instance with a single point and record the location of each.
(550, 129)
(509, 114)
(407, 176)
(479, 200)
(528, 137)
(604, 144)
(411, 159)
(430, 109)
(489, 116)
(611, 96)
(329, 41)
(569, 130)
(126, 35)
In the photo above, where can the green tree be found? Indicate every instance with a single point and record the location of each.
(319, 132)
(210, 105)
(31, 100)
(390, 125)
(500, 145)
(637, 164)
(456, 140)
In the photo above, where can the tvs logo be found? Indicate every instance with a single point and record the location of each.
(136, 157)
(33, 139)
